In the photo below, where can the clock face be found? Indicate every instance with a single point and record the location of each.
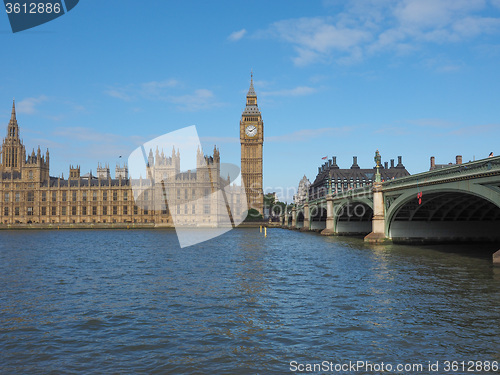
(251, 130)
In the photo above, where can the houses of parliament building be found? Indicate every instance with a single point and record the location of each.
(29, 195)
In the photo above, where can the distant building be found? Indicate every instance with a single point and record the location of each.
(302, 191)
(269, 200)
(121, 172)
(354, 177)
(28, 194)
(103, 172)
(458, 161)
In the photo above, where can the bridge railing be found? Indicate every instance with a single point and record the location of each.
(479, 167)
(351, 193)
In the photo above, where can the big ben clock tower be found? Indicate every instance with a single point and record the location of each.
(252, 139)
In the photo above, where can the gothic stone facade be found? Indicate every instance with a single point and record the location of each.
(302, 192)
(28, 194)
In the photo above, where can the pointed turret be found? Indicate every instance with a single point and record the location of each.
(13, 114)
(251, 90)
(157, 156)
(13, 128)
(151, 158)
(200, 158)
(251, 107)
(216, 155)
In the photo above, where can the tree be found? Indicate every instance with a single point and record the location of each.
(253, 215)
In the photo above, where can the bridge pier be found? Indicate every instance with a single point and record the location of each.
(307, 219)
(330, 220)
(285, 220)
(378, 222)
(294, 218)
(496, 258)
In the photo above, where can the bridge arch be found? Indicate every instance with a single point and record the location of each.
(354, 216)
(318, 216)
(445, 213)
(299, 223)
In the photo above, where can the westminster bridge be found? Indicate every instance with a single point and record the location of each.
(456, 203)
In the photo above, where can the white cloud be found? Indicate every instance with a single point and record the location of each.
(443, 21)
(162, 91)
(119, 93)
(94, 143)
(373, 26)
(393, 131)
(418, 126)
(306, 134)
(306, 56)
(476, 130)
(219, 140)
(156, 88)
(28, 105)
(200, 99)
(315, 38)
(150, 90)
(473, 26)
(443, 65)
(433, 123)
(297, 91)
(261, 84)
(47, 143)
(237, 35)
(83, 134)
(432, 14)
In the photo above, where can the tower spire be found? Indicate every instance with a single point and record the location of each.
(13, 129)
(251, 90)
(13, 151)
(13, 115)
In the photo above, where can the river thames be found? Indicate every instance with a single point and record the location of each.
(132, 301)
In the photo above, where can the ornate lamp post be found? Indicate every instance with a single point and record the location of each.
(377, 159)
(378, 221)
(330, 183)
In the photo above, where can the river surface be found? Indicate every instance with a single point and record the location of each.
(128, 302)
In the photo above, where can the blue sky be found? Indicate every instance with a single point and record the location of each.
(416, 78)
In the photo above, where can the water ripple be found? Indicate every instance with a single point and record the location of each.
(134, 302)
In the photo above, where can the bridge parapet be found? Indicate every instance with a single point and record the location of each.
(483, 167)
(362, 191)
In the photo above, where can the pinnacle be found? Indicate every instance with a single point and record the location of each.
(251, 90)
(13, 115)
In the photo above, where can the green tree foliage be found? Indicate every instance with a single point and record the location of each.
(253, 215)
